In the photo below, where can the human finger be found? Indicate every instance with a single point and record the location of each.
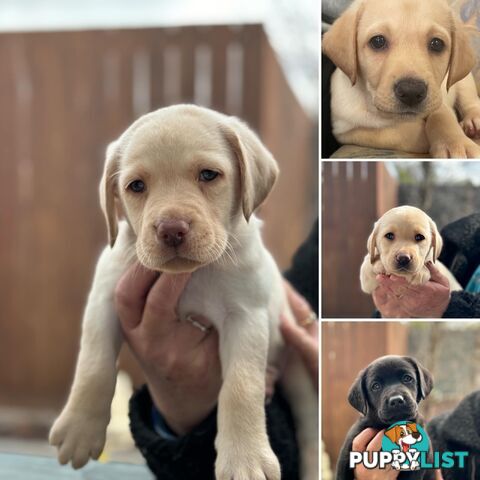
(130, 294)
(362, 440)
(160, 307)
(436, 276)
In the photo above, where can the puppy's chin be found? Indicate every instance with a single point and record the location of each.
(177, 260)
(402, 414)
(180, 265)
(392, 109)
(394, 269)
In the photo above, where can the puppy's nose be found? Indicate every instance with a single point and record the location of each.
(172, 232)
(410, 91)
(402, 259)
(396, 401)
(416, 435)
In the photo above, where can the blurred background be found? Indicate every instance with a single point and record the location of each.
(356, 193)
(73, 76)
(449, 350)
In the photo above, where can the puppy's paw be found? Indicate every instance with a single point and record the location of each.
(471, 123)
(247, 463)
(78, 437)
(456, 147)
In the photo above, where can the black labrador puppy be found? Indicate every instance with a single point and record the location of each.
(389, 390)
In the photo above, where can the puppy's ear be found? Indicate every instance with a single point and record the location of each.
(258, 169)
(437, 242)
(462, 56)
(357, 396)
(424, 378)
(393, 434)
(108, 190)
(372, 242)
(340, 42)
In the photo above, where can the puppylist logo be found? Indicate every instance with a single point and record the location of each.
(405, 446)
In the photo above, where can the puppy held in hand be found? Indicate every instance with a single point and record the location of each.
(188, 180)
(403, 78)
(403, 241)
(389, 390)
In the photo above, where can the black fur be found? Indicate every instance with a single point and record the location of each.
(459, 430)
(395, 375)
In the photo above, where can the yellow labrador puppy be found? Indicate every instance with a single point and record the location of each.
(403, 77)
(403, 240)
(189, 180)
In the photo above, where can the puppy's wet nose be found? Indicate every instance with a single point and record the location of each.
(172, 232)
(410, 91)
(402, 259)
(396, 401)
(416, 435)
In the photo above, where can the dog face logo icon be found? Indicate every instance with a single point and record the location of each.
(404, 436)
(407, 439)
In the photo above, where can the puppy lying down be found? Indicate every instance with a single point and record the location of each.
(403, 240)
(404, 78)
(189, 180)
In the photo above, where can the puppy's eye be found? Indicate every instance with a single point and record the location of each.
(436, 45)
(208, 175)
(390, 236)
(137, 186)
(407, 378)
(419, 237)
(378, 42)
(376, 386)
(402, 433)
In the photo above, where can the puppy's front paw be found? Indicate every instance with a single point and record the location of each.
(471, 123)
(257, 462)
(456, 147)
(78, 437)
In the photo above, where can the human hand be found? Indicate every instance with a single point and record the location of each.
(304, 339)
(370, 440)
(180, 361)
(395, 298)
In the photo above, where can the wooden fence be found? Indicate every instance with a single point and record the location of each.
(347, 348)
(64, 96)
(354, 195)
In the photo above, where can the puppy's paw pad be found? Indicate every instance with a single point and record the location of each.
(254, 464)
(78, 437)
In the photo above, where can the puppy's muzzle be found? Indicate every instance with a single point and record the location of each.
(396, 406)
(172, 232)
(397, 401)
(410, 91)
(403, 260)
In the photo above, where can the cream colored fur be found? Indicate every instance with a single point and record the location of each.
(235, 283)
(404, 223)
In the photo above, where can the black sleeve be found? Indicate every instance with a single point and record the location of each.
(192, 457)
(463, 305)
(303, 274)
